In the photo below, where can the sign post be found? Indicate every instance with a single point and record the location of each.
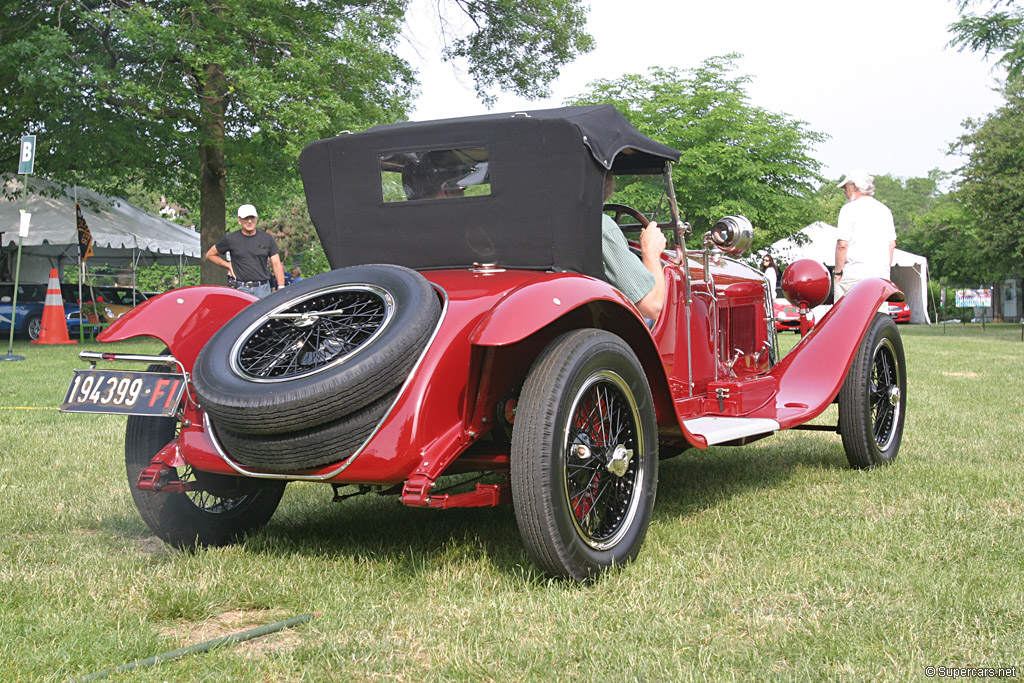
(26, 164)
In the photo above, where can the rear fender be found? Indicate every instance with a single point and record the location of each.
(183, 319)
(543, 310)
(811, 375)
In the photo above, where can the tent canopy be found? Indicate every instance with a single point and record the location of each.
(909, 271)
(123, 234)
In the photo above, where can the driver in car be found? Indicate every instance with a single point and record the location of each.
(643, 280)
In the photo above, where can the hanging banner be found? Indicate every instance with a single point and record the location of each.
(970, 298)
(84, 235)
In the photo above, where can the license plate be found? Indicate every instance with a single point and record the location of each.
(124, 392)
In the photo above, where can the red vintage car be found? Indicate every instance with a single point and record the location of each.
(481, 358)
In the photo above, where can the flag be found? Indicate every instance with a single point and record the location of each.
(84, 236)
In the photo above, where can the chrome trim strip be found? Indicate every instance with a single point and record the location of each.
(95, 356)
(343, 465)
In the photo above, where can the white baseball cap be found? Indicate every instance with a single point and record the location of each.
(246, 210)
(858, 177)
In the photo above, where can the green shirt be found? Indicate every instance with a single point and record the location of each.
(622, 267)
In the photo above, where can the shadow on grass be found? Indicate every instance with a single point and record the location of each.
(412, 541)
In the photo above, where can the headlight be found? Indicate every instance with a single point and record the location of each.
(732, 234)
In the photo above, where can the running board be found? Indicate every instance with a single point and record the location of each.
(722, 429)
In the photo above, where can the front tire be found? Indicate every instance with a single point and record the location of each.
(873, 399)
(584, 456)
(229, 508)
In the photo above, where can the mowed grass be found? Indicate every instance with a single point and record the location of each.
(772, 561)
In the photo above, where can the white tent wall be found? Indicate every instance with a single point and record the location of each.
(123, 234)
(909, 271)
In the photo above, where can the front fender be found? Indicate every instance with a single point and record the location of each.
(811, 375)
(183, 319)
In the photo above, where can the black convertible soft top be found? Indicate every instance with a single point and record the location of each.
(522, 190)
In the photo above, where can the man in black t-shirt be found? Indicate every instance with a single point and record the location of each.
(247, 251)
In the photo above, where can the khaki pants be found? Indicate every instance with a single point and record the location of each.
(845, 284)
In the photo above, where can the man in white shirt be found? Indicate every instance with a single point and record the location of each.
(866, 238)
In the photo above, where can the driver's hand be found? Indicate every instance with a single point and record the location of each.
(652, 240)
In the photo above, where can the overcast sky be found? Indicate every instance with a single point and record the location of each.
(878, 79)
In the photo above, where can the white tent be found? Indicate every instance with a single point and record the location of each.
(909, 271)
(123, 234)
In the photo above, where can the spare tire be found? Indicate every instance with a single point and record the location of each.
(313, 447)
(316, 350)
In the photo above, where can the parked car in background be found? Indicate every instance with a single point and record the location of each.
(787, 316)
(484, 359)
(111, 302)
(28, 318)
(899, 311)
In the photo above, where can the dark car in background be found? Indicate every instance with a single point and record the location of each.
(28, 318)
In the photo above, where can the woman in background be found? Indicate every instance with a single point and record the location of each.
(771, 272)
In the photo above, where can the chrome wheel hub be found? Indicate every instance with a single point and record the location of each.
(618, 464)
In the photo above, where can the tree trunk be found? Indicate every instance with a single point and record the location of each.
(212, 185)
(997, 302)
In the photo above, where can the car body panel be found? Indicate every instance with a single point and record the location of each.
(811, 375)
(183, 319)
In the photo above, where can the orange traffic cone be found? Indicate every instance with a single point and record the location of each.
(55, 326)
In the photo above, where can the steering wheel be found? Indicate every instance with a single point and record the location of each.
(623, 210)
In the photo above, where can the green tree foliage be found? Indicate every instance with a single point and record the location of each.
(908, 198)
(998, 31)
(205, 100)
(945, 234)
(737, 158)
(518, 45)
(992, 186)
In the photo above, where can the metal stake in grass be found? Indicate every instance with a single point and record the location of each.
(200, 647)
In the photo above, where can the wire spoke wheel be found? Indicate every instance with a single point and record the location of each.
(584, 466)
(316, 351)
(885, 394)
(873, 399)
(312, 334)
(208, 502)
(600, 444)
(220, 510)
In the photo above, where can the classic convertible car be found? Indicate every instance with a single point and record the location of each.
(466, 350)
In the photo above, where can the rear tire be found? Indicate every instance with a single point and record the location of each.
(584, 456)
(228, 509)
(873, 399)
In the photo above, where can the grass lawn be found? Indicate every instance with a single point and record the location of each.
(770, 561)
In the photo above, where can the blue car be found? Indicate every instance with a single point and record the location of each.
(28, 318)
